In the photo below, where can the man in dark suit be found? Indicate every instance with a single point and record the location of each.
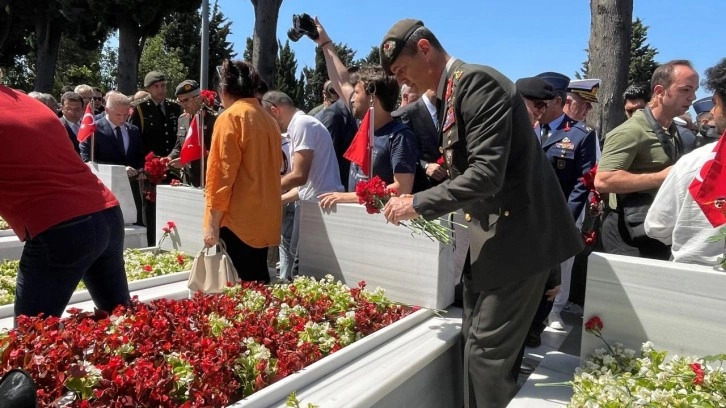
(72, 112)
(156, 116)
(118, 142)
(512, 201)
(341, 125)
(421, 117)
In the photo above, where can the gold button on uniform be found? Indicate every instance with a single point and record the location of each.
(506, 213)
(467, 217)
(449, 142)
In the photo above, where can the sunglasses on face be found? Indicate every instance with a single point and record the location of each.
(541, 104)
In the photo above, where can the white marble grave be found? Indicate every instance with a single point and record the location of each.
(185, 207)
(352, 245)
(415, 362)
(679, 307)
(116, 179)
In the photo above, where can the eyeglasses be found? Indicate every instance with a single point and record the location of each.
(541, 104)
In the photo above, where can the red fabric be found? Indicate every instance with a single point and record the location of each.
(43, 181)
(358, 152)
(87, 125)
(708, 189)
(192, 148)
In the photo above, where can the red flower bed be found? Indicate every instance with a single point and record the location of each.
(206, 351)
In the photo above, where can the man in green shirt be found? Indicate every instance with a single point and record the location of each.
(637, 157)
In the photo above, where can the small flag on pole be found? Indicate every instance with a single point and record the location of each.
(192, 148)
(87, 125)
(359, 152)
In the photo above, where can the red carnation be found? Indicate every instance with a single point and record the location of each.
(171, 224)
(148, 268)
(594, 324)
(699, 374)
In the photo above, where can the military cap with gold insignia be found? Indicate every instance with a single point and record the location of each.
(395, 39)
(586, 88)
(188, 87)
(153, 77)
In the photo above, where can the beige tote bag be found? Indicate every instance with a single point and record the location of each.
(210, 273)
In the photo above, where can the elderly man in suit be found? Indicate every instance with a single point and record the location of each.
(511, 198)
(118, 142)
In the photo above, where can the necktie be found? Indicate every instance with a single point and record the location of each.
(120, 139)
(161, 109)
(544, 134)
(76, 127)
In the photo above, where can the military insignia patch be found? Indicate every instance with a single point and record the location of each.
(457, 74)
(388, 48)
(187, 87)
(566, 140)
(450, 119)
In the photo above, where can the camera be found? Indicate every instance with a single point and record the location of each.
(302, 24)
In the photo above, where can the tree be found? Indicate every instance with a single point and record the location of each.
(264, 48)
(249, 45)
(642, 55)
(315, 79)
(373, 57)
(610, 33)
(76, 65)
(136, 21)
(286, 70)
(182, 32)
(156, 56)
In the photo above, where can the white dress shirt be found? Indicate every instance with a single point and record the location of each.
(676, 219)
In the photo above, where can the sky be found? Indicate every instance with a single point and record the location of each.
(520, 38)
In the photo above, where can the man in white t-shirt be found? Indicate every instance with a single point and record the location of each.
(315, 170)
(675, 218)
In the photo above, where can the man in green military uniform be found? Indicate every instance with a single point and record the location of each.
(156, 116)
(187, 94)
(508, 191)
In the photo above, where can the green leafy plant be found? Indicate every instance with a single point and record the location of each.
(721, 236)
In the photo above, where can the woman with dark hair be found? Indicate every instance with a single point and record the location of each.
(243, 206)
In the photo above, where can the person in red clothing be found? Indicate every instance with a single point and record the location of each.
(71, 223)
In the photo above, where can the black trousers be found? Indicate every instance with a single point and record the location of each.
(251, 263)
(615, 240)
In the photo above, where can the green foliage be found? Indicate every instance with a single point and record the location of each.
(182, 32)
(315, 79)
(249, 44)
(373, 57)
(642, 55)
(76, 65)
(156, 56)
(286, 78)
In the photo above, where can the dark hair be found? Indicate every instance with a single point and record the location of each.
(663, 75)
(67, 88)
(421, 33)
(71, 96)
(716, 80)
(239, 79)
(376, 82)
(637, 91)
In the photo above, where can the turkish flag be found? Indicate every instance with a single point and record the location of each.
(359, 150)
(708, 188)
(192, 148)
(87, 125)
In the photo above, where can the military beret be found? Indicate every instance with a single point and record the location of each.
(395, 39)
(535, 88)
(153, 77)
(558, 81)
(586, 88)
(188, 87)
(703, 105)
